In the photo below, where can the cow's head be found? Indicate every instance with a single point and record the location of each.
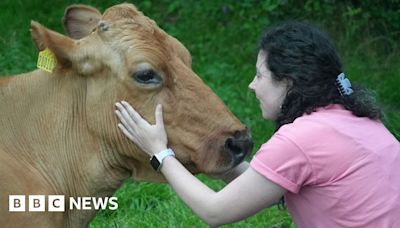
(123, 55)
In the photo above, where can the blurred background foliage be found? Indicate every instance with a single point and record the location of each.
(222, 37)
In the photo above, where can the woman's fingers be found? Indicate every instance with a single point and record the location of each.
(126, 132)
(159, 116)
(131, 121)
(133, 114)
(124, 121)
(125, 118)
(150, 138)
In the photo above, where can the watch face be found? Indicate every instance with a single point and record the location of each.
(155, 163)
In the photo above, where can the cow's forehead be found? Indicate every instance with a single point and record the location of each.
(121, 10)
(131, 31)
(127, 26)
(128, 14)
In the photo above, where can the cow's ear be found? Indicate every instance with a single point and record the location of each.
(80, 20)
(59, 44)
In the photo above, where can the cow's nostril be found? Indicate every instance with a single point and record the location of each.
(239, 145)
(233, 146)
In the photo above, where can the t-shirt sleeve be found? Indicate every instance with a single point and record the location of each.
(281, 161)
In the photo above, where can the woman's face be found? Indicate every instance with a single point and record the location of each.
(270, 93)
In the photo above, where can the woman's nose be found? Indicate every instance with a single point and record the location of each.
(251, 86)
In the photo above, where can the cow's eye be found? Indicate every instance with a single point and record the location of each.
(147, 77)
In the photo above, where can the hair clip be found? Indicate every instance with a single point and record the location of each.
(344, 85)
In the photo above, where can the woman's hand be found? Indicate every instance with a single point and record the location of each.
(150, 138)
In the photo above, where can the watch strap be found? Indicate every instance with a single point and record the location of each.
(157, 159)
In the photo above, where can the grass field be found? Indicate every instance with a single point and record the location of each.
(221, 36)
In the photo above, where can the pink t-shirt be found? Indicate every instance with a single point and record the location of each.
(340, 170)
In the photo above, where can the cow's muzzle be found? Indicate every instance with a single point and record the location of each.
(240, 145)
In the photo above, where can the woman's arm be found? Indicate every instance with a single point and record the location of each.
(241, 198)
(245, 195)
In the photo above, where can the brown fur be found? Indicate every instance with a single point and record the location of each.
(58, 131)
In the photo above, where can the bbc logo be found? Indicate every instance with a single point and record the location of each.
(56, 203)
(36, 203)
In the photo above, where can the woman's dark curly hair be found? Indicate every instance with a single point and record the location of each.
(300, 53)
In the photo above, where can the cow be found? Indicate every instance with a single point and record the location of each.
(58, 130)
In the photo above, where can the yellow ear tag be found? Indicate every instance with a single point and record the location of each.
(46, 60)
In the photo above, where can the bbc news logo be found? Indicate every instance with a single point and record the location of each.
(56, 203)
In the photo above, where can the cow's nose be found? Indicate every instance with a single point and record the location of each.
(239, 145)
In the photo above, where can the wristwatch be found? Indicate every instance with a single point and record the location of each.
(157, 159)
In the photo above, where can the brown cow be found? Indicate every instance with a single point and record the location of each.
(58, 133)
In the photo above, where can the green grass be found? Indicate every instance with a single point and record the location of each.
(222, 38)
(156, 205)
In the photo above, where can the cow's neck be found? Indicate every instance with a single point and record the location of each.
(71, 159)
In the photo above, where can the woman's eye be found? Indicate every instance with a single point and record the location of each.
(147, 77)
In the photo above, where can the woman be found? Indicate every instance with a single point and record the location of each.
(331, 157)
